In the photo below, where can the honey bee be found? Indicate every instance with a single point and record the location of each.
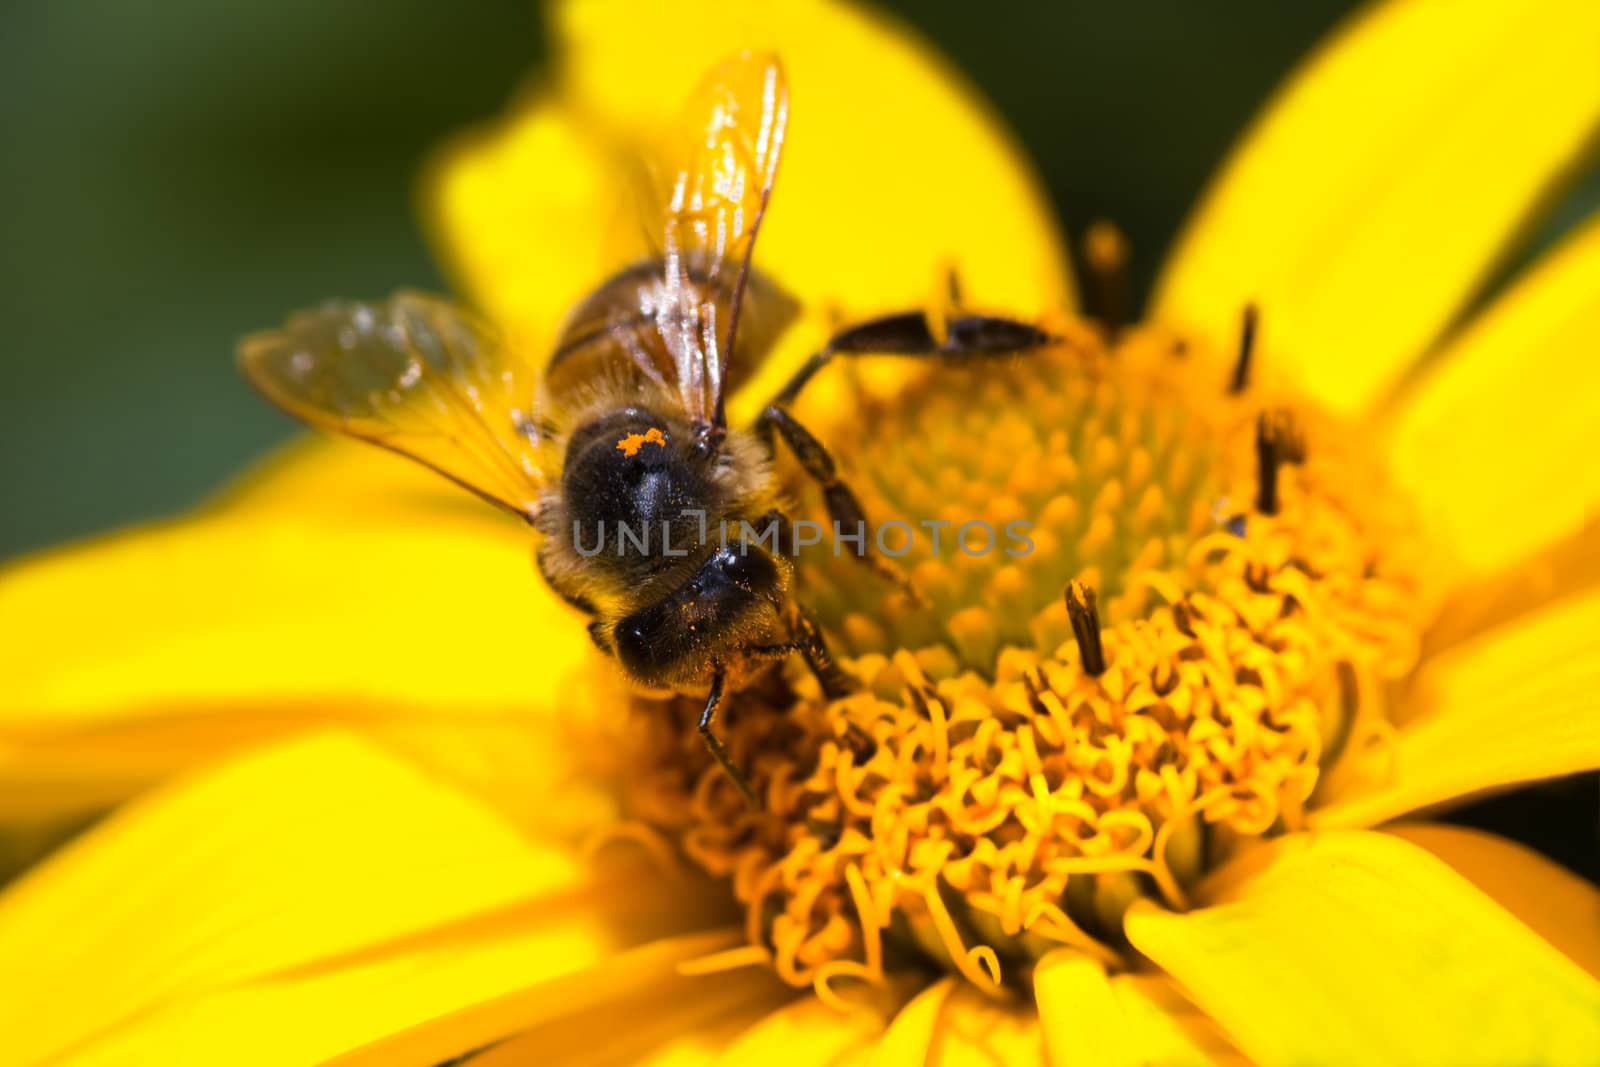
(619, 454)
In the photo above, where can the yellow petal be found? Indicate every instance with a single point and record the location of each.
(25, 842)
(672, 1022)
(1090, 1018)
(892, 170)
(1555, 903)
(1493, 442)
(911, 1033)
(1566, 567)
(871, 205)
(1518, 704)
(514, 982)
(976, 1030)
(1358, 947)
(88, 725)
(1082, 1021)
(57, 777)
(1172, 1031)
(806, 1031)
(699, 1047)
(317, 474)
(1371, 199)
(562, 1018)
(317, 849)
(393, 593)
(525, 214)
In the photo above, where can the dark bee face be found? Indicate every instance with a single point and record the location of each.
(637, 492)
(731, 600)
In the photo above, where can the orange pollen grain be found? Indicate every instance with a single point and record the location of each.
(630, 445)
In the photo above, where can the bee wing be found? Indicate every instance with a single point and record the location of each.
(716, 192)
(415, 375)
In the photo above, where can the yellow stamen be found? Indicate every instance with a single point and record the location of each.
(979, 964)
(635, 832)
(727, 960)
(1164, 671)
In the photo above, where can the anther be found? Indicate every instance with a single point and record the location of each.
(1247, 347)
(1105, 253)
(1034, 683)
(919, 701)
(1086, 627)
(1278, 441)
(1183, 618)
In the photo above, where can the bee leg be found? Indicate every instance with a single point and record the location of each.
(843, 507)
(831, 677)
(914, 333)
(707, 717)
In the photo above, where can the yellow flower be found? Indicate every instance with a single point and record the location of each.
(363, 760)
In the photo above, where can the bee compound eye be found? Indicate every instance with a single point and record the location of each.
(659, 640)
(750, 569)
(640, 647)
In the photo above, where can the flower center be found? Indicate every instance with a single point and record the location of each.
(1152, 613)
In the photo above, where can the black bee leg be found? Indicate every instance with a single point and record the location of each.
(707, 717)
(831, 677)
(843, 508)
(913, 333)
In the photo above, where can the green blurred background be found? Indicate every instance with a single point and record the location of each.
(175, 175)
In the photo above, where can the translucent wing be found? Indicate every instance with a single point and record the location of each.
(415, 375)
(716, 189)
